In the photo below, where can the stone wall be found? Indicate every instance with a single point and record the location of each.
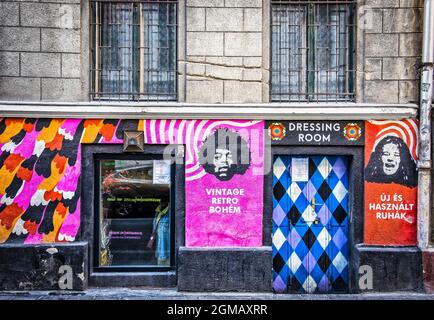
(389, 50)
(40, 50)
(224, 51)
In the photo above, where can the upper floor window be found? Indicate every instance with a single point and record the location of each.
(133, 50)
(312, 50)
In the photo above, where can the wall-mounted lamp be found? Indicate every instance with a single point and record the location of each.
(134, 141)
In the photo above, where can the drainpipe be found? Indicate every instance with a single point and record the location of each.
(424, 163)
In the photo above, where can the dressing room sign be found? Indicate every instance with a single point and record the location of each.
(316, 132)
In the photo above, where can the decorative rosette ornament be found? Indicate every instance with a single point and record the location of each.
(277, 131)
(352, 132)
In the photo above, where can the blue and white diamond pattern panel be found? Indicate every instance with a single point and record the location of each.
(310, 226)
(280, 229)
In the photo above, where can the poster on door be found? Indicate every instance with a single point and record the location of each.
(224, 174)
(391, 182)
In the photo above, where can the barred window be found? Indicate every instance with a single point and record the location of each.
(133, 50)
(312, 50)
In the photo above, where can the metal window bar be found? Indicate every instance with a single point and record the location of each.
(312, 50)
(133, 50)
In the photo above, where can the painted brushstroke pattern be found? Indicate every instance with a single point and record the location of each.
(40, 164)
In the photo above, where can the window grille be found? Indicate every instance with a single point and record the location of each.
(133, 50)
(312, 50)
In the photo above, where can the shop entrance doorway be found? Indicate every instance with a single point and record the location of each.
(310, 224)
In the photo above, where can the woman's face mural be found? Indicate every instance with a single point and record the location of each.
(391, 162)
(391, 158)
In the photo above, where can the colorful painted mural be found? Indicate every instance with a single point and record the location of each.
(224, 178)
(391, 182)
(40, 164)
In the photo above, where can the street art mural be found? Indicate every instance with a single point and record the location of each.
(391, 182)
(40, 167)
(224, 168)
(40, 164)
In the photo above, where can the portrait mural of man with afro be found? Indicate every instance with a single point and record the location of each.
(224, 154)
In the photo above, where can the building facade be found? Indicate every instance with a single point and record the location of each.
(214, 145)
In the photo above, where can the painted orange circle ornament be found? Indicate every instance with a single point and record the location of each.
(352, 132)
(277, 131)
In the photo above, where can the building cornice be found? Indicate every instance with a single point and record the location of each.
(171, 110)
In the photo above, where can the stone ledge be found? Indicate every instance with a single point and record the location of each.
(394, 268)
(37, 267)
(174, 110)
(133, 279)
(225, 269)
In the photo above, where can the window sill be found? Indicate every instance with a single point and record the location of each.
(174, 110)
(146, 279)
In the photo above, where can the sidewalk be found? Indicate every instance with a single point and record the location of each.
(173, 294)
